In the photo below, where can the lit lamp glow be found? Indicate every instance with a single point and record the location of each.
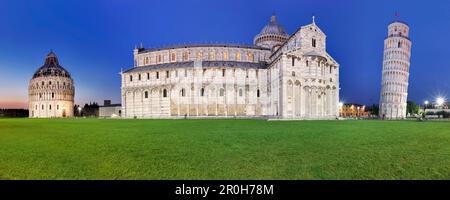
(440, 101)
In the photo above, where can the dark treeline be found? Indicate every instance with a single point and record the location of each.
(89, 110)
(13, 113)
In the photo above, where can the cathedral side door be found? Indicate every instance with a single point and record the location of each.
(64, 113)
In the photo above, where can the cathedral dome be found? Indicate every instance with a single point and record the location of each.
(51, 67)
(272, 35)
(273, 28)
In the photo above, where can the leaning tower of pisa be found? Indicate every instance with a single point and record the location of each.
(395, 73)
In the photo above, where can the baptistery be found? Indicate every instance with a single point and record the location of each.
(51, 91)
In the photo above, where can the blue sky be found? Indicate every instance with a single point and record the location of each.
(95, 39)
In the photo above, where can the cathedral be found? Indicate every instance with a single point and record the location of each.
(51, 91)
(280, 76)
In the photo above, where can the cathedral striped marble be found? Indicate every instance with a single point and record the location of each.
(279, 76)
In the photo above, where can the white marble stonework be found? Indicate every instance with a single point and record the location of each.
(280, 76)
(51, 91)
(395, 73)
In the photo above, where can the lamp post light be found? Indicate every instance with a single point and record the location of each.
(440, 104)
(341, 111)
(426, 102)
(79, 111)
(440, 101)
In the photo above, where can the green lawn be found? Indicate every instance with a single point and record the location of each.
(223, 149)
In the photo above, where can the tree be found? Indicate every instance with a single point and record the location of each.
(374, 109)
(412, 107)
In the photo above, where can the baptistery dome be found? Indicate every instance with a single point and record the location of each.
(51, 67)
(51, 90)
(272, 35)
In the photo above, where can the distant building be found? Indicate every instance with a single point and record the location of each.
(51, 91)
(279, 76)
(395, 73)
(109, 110)
(353, 111)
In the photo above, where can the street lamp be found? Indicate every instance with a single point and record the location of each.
(426, 102)
(440, 101)
(79, 110)
(341, 112)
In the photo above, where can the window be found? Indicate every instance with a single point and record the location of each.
(185, 73)
(42, 107)
(42, 83)
(225, 55)
(250, 57)
(53, 95)
(330, 69)
(40, 96)
(212, 55)
(238, 56)
(314, 42)
(183, 92)
(257, 93)
(204, 71)
(307, 63)
(399, 45)
(202, 92)
(50, 107)
(199, 55)
(240, 92)
(139, 77)
(293, 73)
(293, 61)
(173, 57)
(148, 76)
(185, 56)
(157, 75)
(50, 83)
(146, 61)
(131, 78)
(164, 93)
(36, 107)
(167, 74)
(222, 91)
(57, 107)
(146, 94)
(246, 73)
(223, 72)
(159, 58)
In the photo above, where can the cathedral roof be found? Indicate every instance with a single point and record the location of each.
(260, 65)
(144, 50)
(51, 67)
(273, 28)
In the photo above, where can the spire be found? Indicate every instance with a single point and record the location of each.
(314, 19)
(51, 58)
(273, 18)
